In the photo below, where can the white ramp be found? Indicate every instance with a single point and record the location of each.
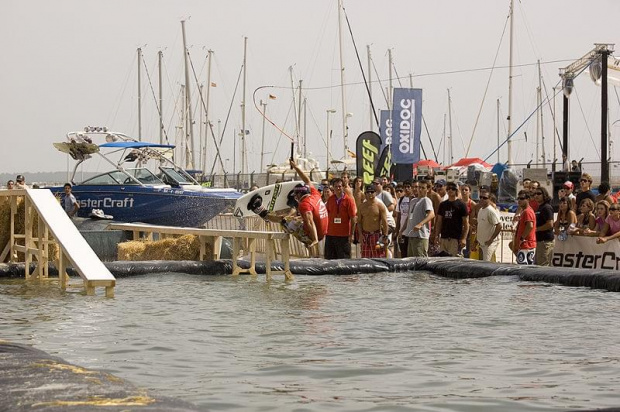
(72, 245)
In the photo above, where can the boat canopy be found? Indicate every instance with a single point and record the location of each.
(135, 145)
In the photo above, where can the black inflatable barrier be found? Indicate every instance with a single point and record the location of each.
(453, 268)
(33, 380)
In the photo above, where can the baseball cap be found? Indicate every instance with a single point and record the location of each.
(569, 184)
(441, 182)
(20, 178)
(370, 188)
(484, 188)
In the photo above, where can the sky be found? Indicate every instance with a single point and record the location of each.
(68, 64)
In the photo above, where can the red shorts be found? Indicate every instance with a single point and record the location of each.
(369, 245)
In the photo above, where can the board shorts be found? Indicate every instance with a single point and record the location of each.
(369, 245)
(525, 256)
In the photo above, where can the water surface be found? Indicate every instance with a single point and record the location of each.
(397, 342)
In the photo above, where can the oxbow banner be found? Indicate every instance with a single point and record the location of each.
(584, 253)
(406, 125)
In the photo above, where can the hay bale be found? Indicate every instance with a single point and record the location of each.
(186, 247)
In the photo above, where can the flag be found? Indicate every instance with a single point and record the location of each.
(272, 97)
(406, 125)
(213, 84)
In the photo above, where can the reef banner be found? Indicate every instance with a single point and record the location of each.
(406, 125)
(385, 127)
(584, 253)
(368, 147)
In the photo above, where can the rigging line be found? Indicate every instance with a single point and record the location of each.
(486, 90)
(480, 69)
(204, 106)
(516, 130)
(122, 92)
(265, 116)
(374, 112)
(586, 122)
(556, 131)
(380, 83)
(148, 76)
(288, 114)
(430, 140)
(232, 100)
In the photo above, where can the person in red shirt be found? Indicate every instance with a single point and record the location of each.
(312, 210)
(342, 215)
(524, 243)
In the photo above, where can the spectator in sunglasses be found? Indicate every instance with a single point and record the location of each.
(585, 183)
(544, 227)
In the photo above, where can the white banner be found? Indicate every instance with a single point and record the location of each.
(583, 252)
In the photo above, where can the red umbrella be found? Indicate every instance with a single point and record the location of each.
(466, 161)
(428, 163)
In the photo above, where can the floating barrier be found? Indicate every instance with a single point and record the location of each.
(448, 267)
(35, 380)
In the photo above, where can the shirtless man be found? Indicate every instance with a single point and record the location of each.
(373, 226)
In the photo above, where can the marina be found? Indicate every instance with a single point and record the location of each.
(310, 206)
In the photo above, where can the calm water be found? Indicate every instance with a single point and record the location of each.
(386, 342)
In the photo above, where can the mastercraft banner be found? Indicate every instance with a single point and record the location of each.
(385, 127)
(584, 253)
(406, 125)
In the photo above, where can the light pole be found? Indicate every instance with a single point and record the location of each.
(262, 144)
(328, 139)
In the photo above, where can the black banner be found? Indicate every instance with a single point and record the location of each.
(385, 162)
(367, 146)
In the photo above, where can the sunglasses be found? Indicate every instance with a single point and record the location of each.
(538, 194)
(399, 191)
(484, 197)
(585, 180)
(451, 188)
(614, 209)
(369, 191)
(522, 198)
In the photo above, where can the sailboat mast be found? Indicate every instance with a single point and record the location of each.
(243, 127)
(498, 129)
(372, 115)
(540, 116)
(509, 145)
(189, 161)
(160, 57)
(299, 133)
(262, 144)
(450, 155)
(342, 89)
(139, 95)
(207, 121)
(391, 91)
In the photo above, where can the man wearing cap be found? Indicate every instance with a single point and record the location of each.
(440, 189)
(373, 225)
(20, 182)
(452, 223)
(568, 193)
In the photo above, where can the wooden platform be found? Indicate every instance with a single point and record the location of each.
(214, 236)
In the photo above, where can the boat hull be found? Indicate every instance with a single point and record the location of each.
(154, 205)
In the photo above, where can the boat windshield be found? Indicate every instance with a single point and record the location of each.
(115, 177)
(175, 177)
(145, 176)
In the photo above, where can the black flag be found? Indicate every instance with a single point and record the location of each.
(367, 146)
(385, 162)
